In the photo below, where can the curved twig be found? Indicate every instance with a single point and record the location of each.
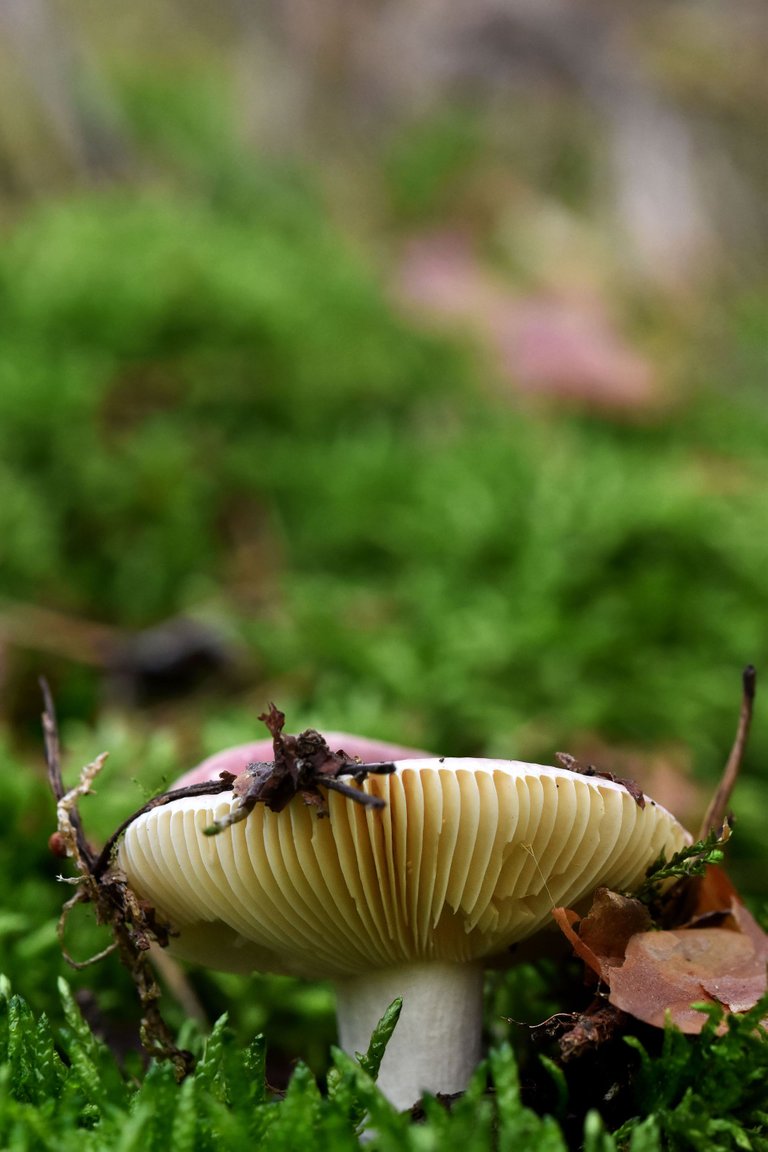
(716, 813)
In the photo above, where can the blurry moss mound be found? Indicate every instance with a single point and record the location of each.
(202, 402)
(155, 359)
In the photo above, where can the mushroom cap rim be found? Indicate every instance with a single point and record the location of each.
(214, 806)
(514, 768)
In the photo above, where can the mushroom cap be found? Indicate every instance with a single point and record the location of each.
(467, 857)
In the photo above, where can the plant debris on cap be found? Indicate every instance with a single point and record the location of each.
(301, 765)
(574, 765)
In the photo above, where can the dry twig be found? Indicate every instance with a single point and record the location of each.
(717, 811)
(302, 764)
(133, 922)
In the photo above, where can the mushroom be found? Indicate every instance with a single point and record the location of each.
(466, 858)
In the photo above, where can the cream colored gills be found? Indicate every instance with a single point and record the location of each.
(466, 858)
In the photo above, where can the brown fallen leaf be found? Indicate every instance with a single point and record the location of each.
(713, 891)
(664, 973)
(567, 920)
(712, 900)
(704, 947)
(612, 921)
(718, 955)
(603, 934)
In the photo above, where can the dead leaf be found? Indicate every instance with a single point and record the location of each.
(603, 933)
(613, 919)
(666, 972)
(566, 918)
(750, 927)
(718, 956)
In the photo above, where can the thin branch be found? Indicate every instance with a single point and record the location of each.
(303, 765)
(54, 633)
(206, 788)
(176, 982)
(304, 775)
(359, 770)
(718, 808)
(61, 926)
(134, 923)
(363, 798)
(51, 735)
(55, 776)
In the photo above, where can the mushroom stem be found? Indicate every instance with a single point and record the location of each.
(436, 1044)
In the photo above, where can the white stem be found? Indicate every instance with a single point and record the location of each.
(436, 1044)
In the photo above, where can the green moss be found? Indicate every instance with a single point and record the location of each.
(61, 1088)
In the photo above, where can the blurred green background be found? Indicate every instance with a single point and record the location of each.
(402, 364)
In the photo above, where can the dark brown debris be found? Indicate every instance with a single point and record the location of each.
(134, 923)
(573, 765)
(302, 765)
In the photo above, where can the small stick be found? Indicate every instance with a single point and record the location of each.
(134, 924)
(205, 788)
(363, 798)
(56, 634)
(55, 776)
(718, 806)
(176, 982)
